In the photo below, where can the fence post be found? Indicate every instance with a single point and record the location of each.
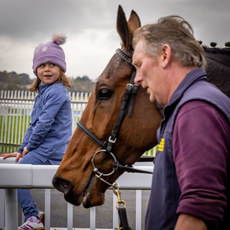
(115, 214)
(69, 216)
(92, 218)
(138, 209)
(47, 209)
(11, 209)
(2, 209)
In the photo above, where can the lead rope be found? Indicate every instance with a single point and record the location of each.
(121, 208)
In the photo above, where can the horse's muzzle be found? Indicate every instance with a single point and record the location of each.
(62, 185)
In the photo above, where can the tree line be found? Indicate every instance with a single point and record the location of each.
(15, 81)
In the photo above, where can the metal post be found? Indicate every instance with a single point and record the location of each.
(92, 218)
(2, 208)
(11, 206)
(115, 213)
(69, 216)
(47, 209)
(138, 209)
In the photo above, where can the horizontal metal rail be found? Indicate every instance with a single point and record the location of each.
(13, 176)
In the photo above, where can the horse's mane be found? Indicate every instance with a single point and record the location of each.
(217, 50)
(218, 60)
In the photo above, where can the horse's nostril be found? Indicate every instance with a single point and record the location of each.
(62, 184)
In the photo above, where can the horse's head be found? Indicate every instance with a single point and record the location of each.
(76, 176)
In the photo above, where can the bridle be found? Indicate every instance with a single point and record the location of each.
(125, 110)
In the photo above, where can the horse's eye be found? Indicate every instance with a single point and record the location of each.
(104, 94)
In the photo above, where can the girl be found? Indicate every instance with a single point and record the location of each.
(50, 129)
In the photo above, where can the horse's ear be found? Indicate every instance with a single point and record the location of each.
(134, 22)
(123, 29)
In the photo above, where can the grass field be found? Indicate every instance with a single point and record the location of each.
(12, 130)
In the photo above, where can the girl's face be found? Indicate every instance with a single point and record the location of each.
(48, 73)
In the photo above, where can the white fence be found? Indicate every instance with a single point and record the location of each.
(14, 176)
(15, 111)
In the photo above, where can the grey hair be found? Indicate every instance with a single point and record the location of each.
(178, 34)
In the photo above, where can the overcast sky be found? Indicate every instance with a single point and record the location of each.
(90, 27)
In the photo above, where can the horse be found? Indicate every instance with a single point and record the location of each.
(114, 131)
(218, 68)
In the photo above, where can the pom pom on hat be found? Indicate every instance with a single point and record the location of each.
(59, 39)
(50, 52)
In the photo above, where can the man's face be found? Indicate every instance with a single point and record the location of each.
(148, 72)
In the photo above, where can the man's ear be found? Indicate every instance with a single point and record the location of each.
(166, 54)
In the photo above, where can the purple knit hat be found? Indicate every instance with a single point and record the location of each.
(50, 52)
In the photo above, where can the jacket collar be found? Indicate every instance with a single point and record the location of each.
(42, 88)
(193, 76)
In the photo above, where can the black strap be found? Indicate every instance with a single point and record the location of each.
(90, 135)
(129, 93)
(124, 225)
(119, 165)
(130, 169)
(132, 99)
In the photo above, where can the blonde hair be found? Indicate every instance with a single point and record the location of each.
(63, 78)
(178, 34)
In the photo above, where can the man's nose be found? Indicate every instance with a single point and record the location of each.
(137, 79)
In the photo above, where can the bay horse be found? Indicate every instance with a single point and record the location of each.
(113, 131)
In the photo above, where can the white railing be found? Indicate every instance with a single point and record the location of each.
(15, 111)
(14, 176)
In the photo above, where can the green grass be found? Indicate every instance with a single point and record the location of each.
(12, 130)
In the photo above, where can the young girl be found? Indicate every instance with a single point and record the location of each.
(50, 129)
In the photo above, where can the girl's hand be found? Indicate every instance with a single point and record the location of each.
(25, 151)
(17, 156)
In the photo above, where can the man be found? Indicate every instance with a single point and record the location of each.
(190, 186)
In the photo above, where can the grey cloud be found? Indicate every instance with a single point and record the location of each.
(30, 18)
(209, 18)
(91, 25)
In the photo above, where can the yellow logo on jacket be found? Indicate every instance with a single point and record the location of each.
(161, 145)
